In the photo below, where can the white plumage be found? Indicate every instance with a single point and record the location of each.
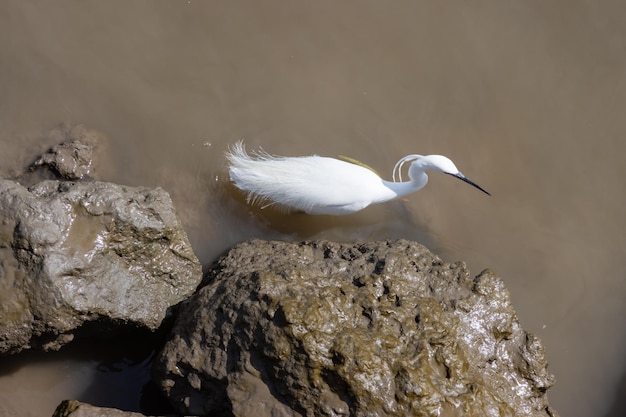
(321, 185)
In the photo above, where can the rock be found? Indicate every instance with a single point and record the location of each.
(72, 253)
(374, 329)
(72, 408)
(73, 159)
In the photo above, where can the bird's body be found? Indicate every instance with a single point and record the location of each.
(321, 185)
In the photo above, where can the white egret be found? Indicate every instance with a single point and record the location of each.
(321, 185)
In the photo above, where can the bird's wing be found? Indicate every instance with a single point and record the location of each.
(357, 162)
(305, 183)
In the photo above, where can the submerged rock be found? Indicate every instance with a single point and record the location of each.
(73, 158)
(72, 253)
(72, 408)
(374, 329)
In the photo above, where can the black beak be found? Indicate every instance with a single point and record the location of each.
(470, 182)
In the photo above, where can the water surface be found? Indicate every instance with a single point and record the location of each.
(526, 97)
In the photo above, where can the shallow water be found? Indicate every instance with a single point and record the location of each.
(526, 97)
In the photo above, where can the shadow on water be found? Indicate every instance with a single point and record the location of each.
(618, 408)
(392, 220)
(113, 373)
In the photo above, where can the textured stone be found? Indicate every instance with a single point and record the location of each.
(73, 158)
(72, 408)
(373, 329)
(77, 252)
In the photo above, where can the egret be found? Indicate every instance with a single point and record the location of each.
(322, 185)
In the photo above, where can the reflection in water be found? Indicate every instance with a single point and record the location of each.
(525, 96)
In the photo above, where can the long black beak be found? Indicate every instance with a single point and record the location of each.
(470, 182)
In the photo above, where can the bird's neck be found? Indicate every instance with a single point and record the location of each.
(400, 189)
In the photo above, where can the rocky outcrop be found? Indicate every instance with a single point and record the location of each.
(72, 253)
(374, 329)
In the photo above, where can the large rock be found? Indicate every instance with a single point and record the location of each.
(77, 252)
(376, 329)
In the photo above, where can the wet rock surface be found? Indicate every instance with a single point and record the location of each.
(76, 156)
(72, 253)
(374, 329)
(71, 408)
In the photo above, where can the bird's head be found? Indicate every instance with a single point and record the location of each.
(438, 163)
(443, 164)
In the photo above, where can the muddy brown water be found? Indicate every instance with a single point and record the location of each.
(526, 97)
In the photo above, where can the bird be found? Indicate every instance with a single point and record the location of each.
(319, 185)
